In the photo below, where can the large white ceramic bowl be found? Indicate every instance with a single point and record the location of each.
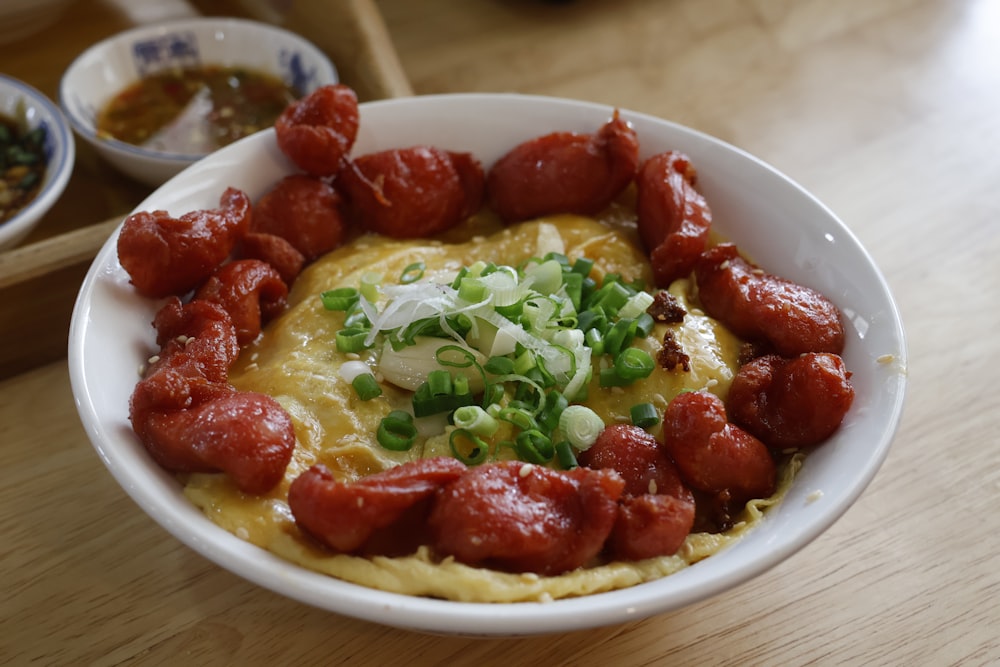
(20, 101)
(104, 69)
(775, 220)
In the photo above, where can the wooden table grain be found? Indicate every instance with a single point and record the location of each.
(888, 110)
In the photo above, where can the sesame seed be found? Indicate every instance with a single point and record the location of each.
(525, 470)
(886, 359)
(360, 501)
(725, 265)
(242, 533)
(153, 359)
(814, 496)
(652, 487)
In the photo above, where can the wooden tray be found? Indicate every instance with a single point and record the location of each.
(39, 281)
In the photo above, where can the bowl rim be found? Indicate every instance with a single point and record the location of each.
(57, 174)
(89, 133)
(490, 619)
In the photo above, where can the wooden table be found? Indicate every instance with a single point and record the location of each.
(888, 110)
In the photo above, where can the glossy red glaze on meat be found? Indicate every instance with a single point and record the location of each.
(246, 435)
(346, 516)
(635, 455)
(673, 218)
(276, 251)
(712, 454)
(197, 336)
(251, 291)
(190, 419)
(757, 306)
(522, 518)
(651, 525)
(656, 511)
(411, 192)
(318, 131)
(304, 211)
(795, 402)
(167, 256)
(564, 172)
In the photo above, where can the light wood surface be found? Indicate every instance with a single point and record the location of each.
(888, 110)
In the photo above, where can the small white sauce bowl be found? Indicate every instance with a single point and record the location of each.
(18, 100)
(106, 68)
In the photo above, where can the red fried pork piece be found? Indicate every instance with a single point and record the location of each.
(564, 172)
(246, 435)
(276, 251)
(251, 291)
(634, 454)
(190, 419)
(348, 517)
(712, 454)
(656, 511)
(318, 131)
(673, 217)
(791, 402)
(520, 517)
(411, 192)
(762, 307)
(167, 256)
(304, 211)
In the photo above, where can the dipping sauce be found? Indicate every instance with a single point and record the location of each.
(22, 166)
(195, 110)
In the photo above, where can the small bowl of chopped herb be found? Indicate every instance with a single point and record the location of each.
(155, 99)
(36, 158)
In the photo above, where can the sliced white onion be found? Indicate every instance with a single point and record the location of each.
(408, 367)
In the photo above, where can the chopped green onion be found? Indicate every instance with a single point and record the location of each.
(644, 324)
(565, 456)
(582, 266)
(366, 386)
(467, 447)
(351, 340)
(475, 420)
(595, 341)
(555, 403)
(499, 366)
(412, 273)
(518, 417)
(341, 298)
(633, 364)
(644, 415)
(534, 446)
(370, 284)
(580, 425)
(396, 431)
(439, 383)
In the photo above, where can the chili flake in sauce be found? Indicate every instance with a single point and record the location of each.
(22, 166)
(195, 110)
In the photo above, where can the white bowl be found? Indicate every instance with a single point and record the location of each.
(22, 18)
(104, 69)
(752, 203)
(19, 100)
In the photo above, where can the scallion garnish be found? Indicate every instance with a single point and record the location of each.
(412, 273)
(499, 344)
(644, 415)
(396, 431)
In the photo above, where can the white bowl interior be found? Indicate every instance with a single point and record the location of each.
(16, 98)
(106, 68)
(770, 216)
